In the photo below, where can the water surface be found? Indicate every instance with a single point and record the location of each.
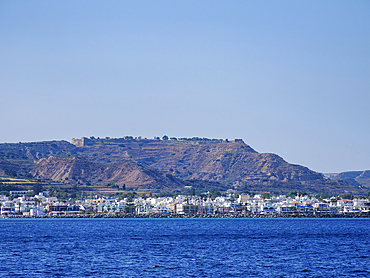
(185, 247)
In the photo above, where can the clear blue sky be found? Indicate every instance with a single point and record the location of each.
(289, 77)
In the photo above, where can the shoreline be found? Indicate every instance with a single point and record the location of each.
(160, 215)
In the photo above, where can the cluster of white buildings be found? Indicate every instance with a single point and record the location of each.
(41, 204)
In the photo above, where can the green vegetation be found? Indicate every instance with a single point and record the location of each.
(6, 188)
(265, 195)
(10, 173)
(199, 139)
(347, 195)
(292, 194)
(37, 188)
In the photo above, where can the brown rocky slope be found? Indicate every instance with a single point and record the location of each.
(127, 173)
(231, 163)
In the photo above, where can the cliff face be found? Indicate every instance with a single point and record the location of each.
(145, 162)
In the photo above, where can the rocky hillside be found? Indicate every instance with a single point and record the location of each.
(11, 162)
(146, 162)
(353, 177)
(233, 163)
(128, 173)
(38, 150)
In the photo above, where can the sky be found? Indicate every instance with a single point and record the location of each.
(288, 77)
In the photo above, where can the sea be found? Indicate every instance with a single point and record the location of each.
(185, 247)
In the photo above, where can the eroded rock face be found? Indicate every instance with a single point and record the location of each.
(168, 163)
(128, 173)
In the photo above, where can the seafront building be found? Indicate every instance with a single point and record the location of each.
(42, 204)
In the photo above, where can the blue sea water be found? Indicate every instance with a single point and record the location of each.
(185, 248)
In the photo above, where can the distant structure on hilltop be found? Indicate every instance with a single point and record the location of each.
(85, 141)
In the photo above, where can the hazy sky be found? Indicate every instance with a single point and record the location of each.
(289, 77)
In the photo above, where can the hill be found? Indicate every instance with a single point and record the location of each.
(168, 164)
(233, 163)
(128, 173)
(359, 178)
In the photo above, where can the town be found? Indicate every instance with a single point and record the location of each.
(23, 204)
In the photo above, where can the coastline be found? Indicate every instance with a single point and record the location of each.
(170, 215)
